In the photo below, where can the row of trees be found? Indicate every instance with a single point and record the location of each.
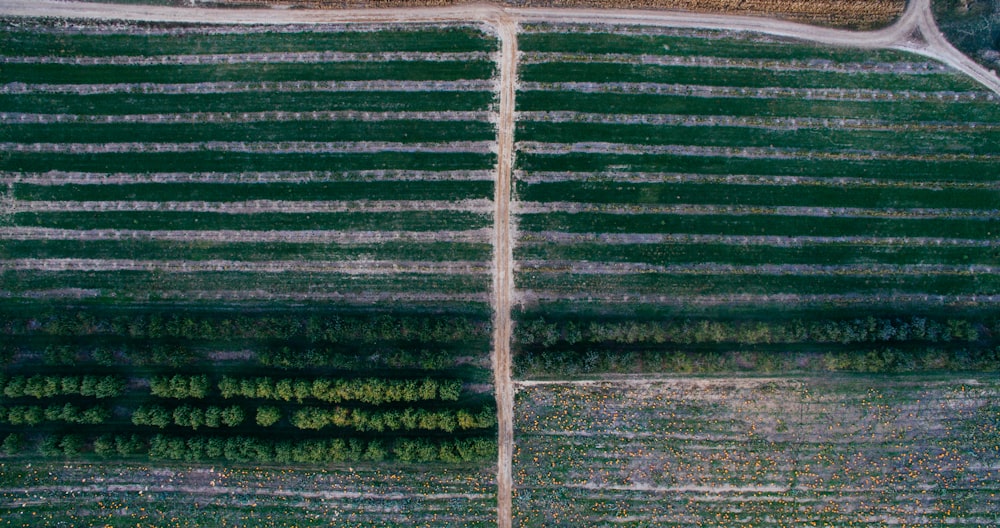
(288, 357)
(689, 331)
(245, 449)
(41, 387)
(180, 386)
(363, 328)
(188, 416)
(36, 414)
(407, 419)
(373, 391)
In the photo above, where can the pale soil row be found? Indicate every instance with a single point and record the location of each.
(742, 179)
(261, 295)
(346, 267)
(13, 118)
(126, 178)
(598, 147)
(106, 25)
(221, 87)
(262, 147)
(771, 92)
(771, 123)
(503, 269)
(560, 237)
(712, 268)
(790, 65)
(300, 57)
(227, 236)
(260, 206)
(536, 296)
(745, 210)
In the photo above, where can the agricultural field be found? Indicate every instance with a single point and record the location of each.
(703, 201)
(854, 451)
(245, 273)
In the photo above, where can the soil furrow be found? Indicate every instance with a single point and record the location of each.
(347, 267)
(742, 179)
(301, 57)
(560, 237)
(260, 206)
(222, 87)
(300, 237)
(746, 210)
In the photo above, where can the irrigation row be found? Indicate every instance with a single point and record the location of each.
(771, 92)
(560, 237)
(301, 237)
(745, 210)
(262, 147)
(221, 87)
(299, 57)
(598, 147)
(125, 178)
(13, 118)
(712, 268)
(259, 206)
(772, 123)
(349, 267)
(791, 65)
(534, 177)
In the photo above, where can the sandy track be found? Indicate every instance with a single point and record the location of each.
(503, 279)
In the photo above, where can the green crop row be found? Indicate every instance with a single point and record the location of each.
(32, 415)
(397, 130)
(372, 391)
(409, 419)
(187, 416)
(224, 192)
(157, 220)
(110, 43)
(250, 72)
(895, 111)
(554, 41)
(263, 101)
(819, 139)
(142, 285)
(210, 161)
(244, 251)
(790, 225)
(885, 285)
(41, 387)
(842, 195)
(804, 165)
(747, 254)
(749, 77)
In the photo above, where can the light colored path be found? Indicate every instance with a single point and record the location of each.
(915, 31)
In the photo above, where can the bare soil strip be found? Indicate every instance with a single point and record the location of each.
(770, 123)
(260, 206)
(769, 92)
(503, 274)
(896, 68)
(224, 236)
(629, 268)
(13, 118)
(301, 57)
(560, 237)
(742, 179)
(262, 295)
(382, 85)
(744, 210)
(259, 147)
(597, 147)
(346, 267)
(126, 178)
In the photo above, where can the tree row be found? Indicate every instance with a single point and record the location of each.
(39, 386)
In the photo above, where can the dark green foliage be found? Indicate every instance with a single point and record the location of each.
(268, 416)
(315, 418)
(42, 387)
(373, 391)
(12, 444)
(179, 386)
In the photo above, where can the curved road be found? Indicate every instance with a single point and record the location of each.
(915, 31)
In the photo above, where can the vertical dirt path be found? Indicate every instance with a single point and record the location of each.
(503, 281)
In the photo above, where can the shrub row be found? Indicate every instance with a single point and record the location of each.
(315, 328)
(373, 391)
(287, 357)
(407, 419)
(868, 330)
(188, 416)
(69, 413)
(39, 386)
(179, 386)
